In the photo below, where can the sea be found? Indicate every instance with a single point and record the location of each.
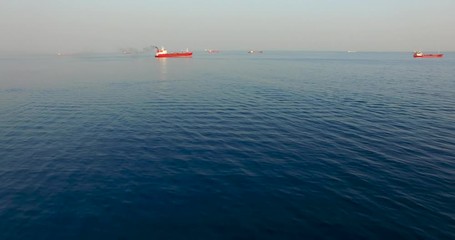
(278, 145)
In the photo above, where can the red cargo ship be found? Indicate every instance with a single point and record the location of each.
(162, 53)
(423, 55)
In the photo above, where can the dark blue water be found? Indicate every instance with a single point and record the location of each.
(280, 145)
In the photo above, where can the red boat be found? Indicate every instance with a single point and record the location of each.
(162, 53)
(422, 55)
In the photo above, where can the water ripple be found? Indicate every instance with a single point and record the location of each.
(261, 148)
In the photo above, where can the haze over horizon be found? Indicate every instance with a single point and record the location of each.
(50, 26)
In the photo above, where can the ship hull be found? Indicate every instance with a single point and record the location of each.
(429, 56)
(174, 55)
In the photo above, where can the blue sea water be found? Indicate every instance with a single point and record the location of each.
(279, 145)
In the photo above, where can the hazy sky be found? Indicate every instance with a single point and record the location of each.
(107, 25)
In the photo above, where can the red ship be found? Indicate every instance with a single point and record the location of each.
(162, 53)
(423, 55)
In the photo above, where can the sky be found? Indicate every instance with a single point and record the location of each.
(50, 26)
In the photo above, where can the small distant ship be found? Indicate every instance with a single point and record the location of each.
(163, 53)
(254, 51)
(420, 54)
(129, 51)
(212, 51)
(60, 54)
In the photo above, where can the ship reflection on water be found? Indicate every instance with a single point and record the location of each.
(163, 68)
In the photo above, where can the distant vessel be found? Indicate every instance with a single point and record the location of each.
(162, 53)
(253, 51)
(212, 51)
(419, 54)
(60, 54)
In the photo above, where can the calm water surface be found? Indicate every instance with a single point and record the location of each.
(280, 145)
